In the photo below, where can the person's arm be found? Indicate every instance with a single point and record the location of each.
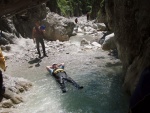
(50, 69)
(62, 65)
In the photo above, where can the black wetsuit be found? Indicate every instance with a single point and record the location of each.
(39, 39)
(62, 77)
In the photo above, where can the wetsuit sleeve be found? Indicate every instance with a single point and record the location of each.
(51, 71)
(62, 66)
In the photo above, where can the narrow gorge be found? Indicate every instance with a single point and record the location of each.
(120, 27)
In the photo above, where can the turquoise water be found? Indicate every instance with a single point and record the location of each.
(102, 92)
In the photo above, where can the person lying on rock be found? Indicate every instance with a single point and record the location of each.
(38, 36)
(57, 70)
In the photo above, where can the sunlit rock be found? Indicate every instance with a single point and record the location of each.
(13, 88)
(101, 26)
(109, 42)
(84, 42)
(58, 27)
(7, 103)
(96, 44)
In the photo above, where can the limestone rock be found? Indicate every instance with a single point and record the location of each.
(13, 88)
(7, 104)
(109, 42)
(58, 28)
(84, 42)
(96, 44)
(101, 26)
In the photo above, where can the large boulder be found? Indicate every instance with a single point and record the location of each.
(58, 27)
(109, 43)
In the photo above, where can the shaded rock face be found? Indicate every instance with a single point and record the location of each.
(106, 13)
(130, 20)
(109, 10)
(53, 6)
(20, 24)
(24, 22)
(95, 9)
(13, 6)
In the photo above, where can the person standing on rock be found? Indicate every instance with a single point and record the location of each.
(38, 35)
(76, 20)
(88, 16)
(57, 70)
(2, 66)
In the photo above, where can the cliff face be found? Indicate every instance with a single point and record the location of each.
(130, 21)
(25, 22)
(53, 6)
(95, 8)
(21, 23)
(13, 6)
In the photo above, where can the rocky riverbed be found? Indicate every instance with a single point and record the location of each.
(82, 52)
(22, 60)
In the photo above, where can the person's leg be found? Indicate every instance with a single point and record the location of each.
(38, 49)
(2, 88)
(61, 82)
(43, 47)
(69, 79)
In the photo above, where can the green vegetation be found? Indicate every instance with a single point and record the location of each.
(75, 7)
(64, 7)
(71, 8)
(102, 4)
